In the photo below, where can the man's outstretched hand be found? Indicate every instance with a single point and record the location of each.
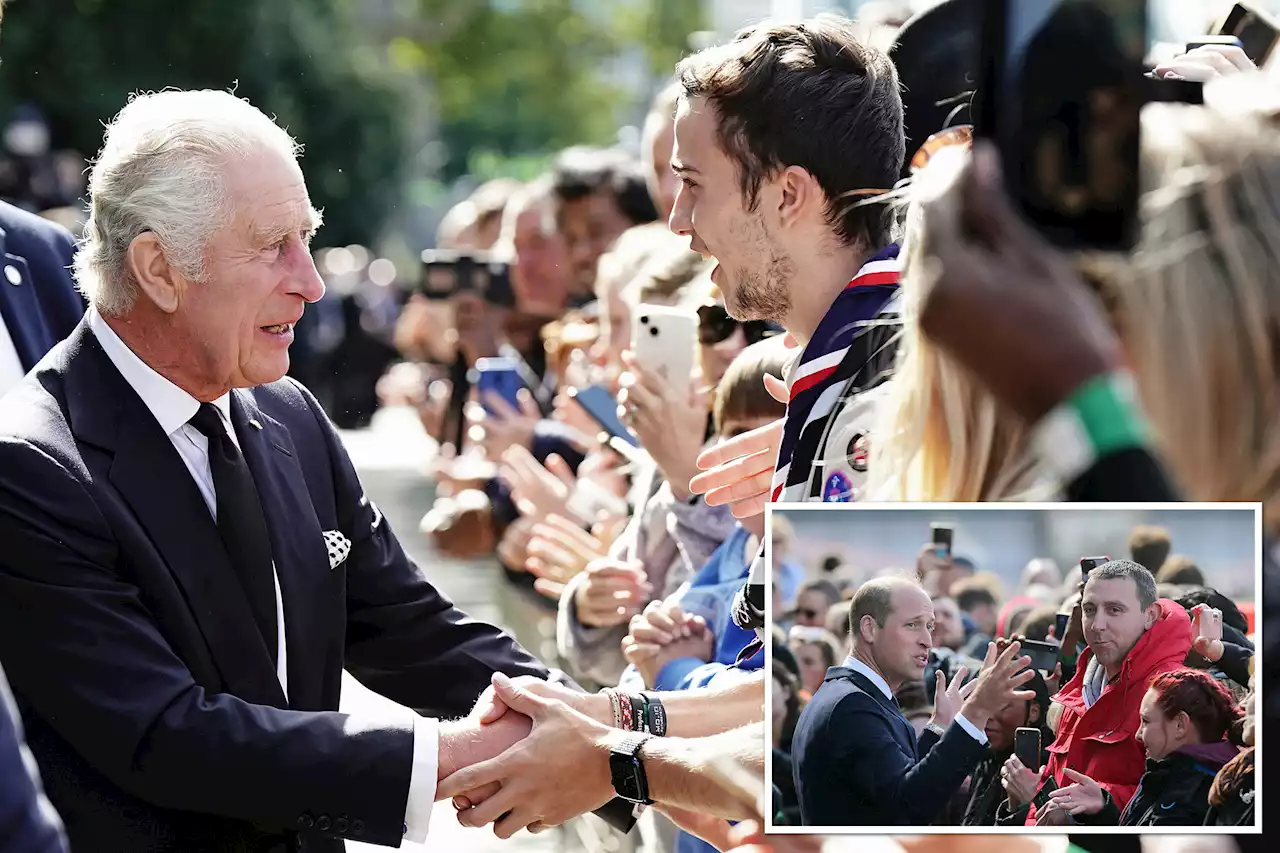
(558, 772)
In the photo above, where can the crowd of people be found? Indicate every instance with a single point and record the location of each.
(1172, 745)
(870, 319)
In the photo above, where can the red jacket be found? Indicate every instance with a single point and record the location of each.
(1099, 741)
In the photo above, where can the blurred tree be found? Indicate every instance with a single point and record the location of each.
(299, 60)
(526, 77)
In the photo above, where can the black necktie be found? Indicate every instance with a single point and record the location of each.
(241, 522)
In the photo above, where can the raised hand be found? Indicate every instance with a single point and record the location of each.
(1084, 796)
(998, 683)
(611, 593)
(558, 551)
(504, 426)
(1206, 622)
(539, 491)
(948, 699)
(1020, 784)
(669, 418)
(739, 472)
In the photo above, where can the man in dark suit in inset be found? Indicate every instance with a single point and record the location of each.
(39, 305)
(30, 824)
(856, 759)
(187, 558)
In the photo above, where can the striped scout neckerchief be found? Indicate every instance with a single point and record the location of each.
(836, 354)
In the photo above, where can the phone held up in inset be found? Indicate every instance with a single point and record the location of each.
(500, 376)
(942, 535)
(1044, 656)
(664, 341)
(1088, 564)
(1059, 92)
(1060, 626)
(1026, 745)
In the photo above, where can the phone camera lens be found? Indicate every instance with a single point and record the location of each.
(644, 319)
(653, 330)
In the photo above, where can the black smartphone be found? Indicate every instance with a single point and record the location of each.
(1088, 564)
(942, 537)
(1026, 745)
(1044, 656)
(494, 284)
(602, 406)
(439, 280)
(1255, 30)
(1060, 88)
(1060, 626)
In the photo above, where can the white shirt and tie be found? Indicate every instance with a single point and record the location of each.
(173, 408)
(875, 678)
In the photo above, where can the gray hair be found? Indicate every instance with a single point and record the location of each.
(162, 169)
(1142, 579)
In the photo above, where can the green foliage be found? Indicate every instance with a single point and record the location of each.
(299, 60)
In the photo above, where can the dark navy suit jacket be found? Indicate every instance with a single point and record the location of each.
(150, 698)
(28, 823)
(857, 761)
(38, 300)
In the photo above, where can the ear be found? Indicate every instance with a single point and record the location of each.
(798, 193)
(157, 279)
(1153, 615)
(867, 629)
(1033, 714)
(1183, 722)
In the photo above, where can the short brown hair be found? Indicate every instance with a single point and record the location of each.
(741, 393)
(875, 599)
(1149, 547)
(807, 95)
(1180, 570)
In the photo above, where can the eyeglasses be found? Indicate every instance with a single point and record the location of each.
(960, 134)
(716, 326)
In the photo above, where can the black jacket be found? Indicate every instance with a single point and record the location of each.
(1235, 786)
(28, 824)
(985, 791)
(1173, 792)
(857, 761)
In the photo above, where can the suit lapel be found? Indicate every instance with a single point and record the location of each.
(890, 706)
(297, 545)
(154, 481)
(20, 309)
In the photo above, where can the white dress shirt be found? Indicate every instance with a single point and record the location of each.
(875, 678)
(11, 371)
(173, 408)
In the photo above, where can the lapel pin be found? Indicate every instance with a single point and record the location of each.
(253, 423)
(11, 273)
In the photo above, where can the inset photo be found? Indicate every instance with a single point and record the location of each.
(1043, 668)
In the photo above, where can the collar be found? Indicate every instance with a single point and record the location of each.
(171, 406)
(871, 675)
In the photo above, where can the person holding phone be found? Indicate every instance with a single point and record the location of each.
(985, 791)
(1185, 718)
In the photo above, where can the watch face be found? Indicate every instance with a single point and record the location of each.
(628, 778)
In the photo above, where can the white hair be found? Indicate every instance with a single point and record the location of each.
(161, 169)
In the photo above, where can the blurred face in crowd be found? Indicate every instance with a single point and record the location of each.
(1161, 735)
(811, 609)
(779, 698)
(900, 649)
(1000, 729)
(948, 631)
(754, 269)
(615, 321)
(540, 266)
(235, 327)
(590, 225)
(813, 666)
(985, 617)
(663, 183)
(1114, 620)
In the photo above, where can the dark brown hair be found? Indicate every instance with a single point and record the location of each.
(807, 95)
(1149, 547)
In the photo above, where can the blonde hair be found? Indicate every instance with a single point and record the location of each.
(939, 435)
(1198, 303)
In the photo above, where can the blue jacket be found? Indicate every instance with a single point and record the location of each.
(28, 824)
(39, 304)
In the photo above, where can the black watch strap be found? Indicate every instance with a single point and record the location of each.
(627, 770)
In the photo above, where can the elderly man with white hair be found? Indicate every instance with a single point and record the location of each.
(187, 558)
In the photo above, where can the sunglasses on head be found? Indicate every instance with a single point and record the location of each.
(960, 134)
(716, 326)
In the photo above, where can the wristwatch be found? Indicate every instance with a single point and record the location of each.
(938, 730)
(627, 770)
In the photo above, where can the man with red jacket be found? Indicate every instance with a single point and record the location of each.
(1132, 637)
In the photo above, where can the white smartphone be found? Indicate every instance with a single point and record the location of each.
(664, 341)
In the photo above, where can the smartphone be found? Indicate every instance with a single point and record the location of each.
(499, 376)
(1060, 87)
(1205, 41)
(1256, 32)
(439, 281)
(1060, 626)
(494, 284)
(1026, 745)
(942, 536)
(602, 406)
(664, 341)
(1088, 564)
(1044, 656)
